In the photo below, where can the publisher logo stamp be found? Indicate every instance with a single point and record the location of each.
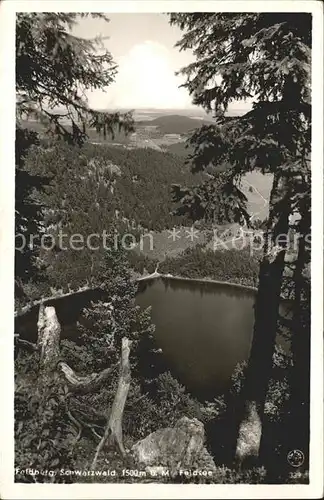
(295, 458)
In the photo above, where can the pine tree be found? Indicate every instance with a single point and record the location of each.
(54, 69)
(299, 274)
(51, 418)
(264, 56)
(28, 217)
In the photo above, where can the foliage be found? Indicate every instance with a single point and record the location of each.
(165, 401)
(157, 404)
(145, 182)
(54, 69)
(103, 191)
(258, 224)
(277, 406)
(174, 124)
(105, 322)
(45, 429)
(28, 216)
(215, 200)
(256, 475)
(262, 54)
(66, 67)
(278, 391)
(160, 407)
(141, 263)
(135, 182)
(43, 434)
(267, 57)
(237, 266)
(181, 149)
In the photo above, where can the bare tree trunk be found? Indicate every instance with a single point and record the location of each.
(252, 400)
(48, 342)
(113, 431)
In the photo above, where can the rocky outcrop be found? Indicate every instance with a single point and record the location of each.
(175, 449)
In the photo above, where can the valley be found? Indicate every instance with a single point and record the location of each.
(135, 175)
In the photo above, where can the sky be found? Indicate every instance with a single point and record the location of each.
(143, 47)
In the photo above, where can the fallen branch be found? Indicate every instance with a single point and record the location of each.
(25, 343)
(113, 431)
(84, 384)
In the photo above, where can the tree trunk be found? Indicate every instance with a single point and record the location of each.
(298, 419)
(258, 373)
(48, 343)
(113, 431)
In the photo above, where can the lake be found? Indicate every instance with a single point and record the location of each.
(204, 329)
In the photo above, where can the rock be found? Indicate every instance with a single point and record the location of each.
(175, 448)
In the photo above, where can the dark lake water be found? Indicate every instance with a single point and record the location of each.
(204, 329)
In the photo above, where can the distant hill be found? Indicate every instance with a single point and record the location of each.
(175, 124)
(167, 124)
(119, 137)
(151, 113)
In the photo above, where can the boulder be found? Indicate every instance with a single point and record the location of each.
(175, 449)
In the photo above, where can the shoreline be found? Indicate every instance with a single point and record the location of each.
(197, 280)
(25, 309)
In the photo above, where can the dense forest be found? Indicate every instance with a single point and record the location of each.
(175, 124)
(98, 188)
(236, 266)
(84, 402)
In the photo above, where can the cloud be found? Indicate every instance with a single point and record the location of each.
(145, 79)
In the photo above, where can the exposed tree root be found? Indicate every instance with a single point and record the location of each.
(77, 424)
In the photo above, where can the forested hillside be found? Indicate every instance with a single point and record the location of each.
(98, 188)
(175, 124)
(140, 179)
